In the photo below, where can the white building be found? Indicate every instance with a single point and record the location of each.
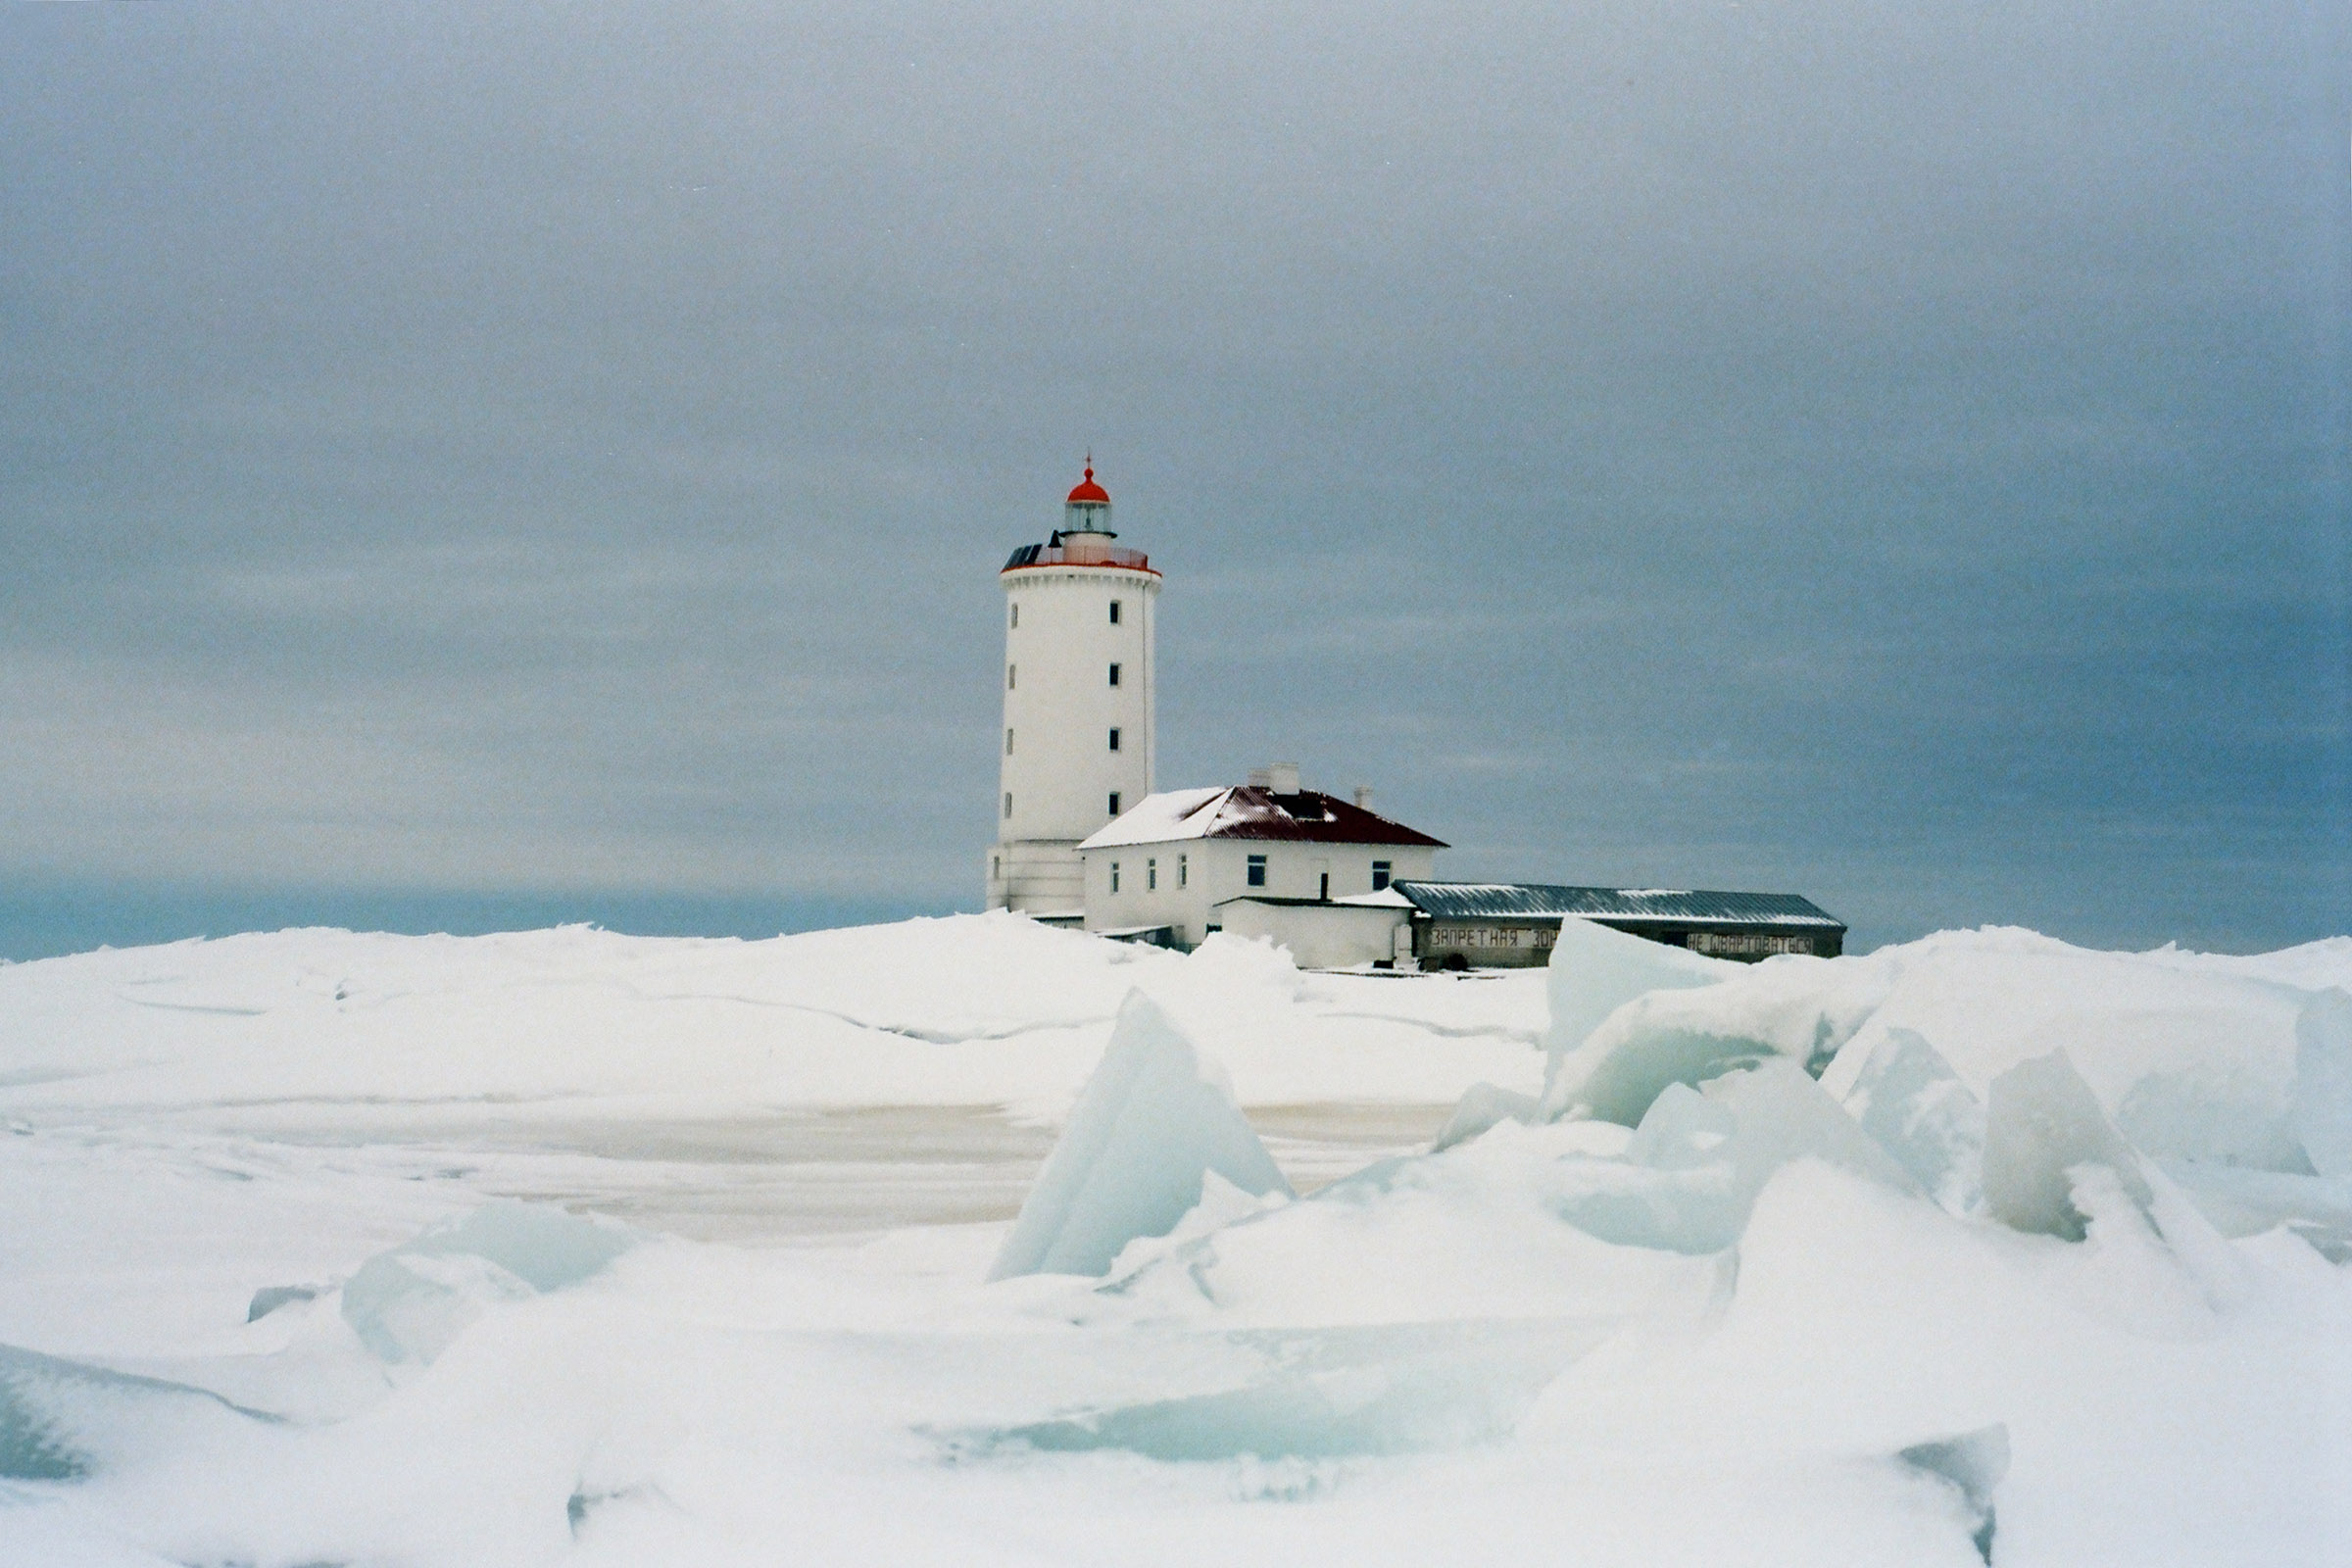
(1081, 837)
(1173, 858)
(1079, 683)
(1374, 928)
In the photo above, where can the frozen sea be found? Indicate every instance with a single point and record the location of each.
(565, 1247)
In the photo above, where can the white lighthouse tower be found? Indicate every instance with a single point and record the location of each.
(1078, 742)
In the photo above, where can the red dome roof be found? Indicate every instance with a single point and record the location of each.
(1089, 491)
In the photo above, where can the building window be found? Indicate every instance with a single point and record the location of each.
(1151, 875)
(1115, 737)
(1325, 892)
(1114, 612)
(996, 866)
(1380, 876)
(1257, 870)
(1114, 803)
(1183, 873)
(1008, 803)
(1114, 876)
(1114, 674)
(1012, 676)
(1008, 743)
(1017, 614)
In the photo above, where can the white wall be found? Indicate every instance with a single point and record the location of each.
(1217, 869)
(1295, 870)
(1041, 877)
(1185, 875)
(1321, 936)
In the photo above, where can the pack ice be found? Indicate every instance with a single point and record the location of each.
(1978, 1249)
(1153, 1126)
(408, 1303)
(2231, 1075)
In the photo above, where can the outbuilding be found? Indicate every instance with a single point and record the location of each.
(1489, 925)
(1337, 934)
(1415, 924)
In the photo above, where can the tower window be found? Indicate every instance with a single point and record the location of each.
(1114, 803)
(1008, 743)
(1008, 803)
(1114, 674)
(1151, 875)
(1012, 676)
(1183, 871)
(1380, 876)
(1114, 876)
(1257, 870)
(1017, 614)
(1114, 612)
(1115, 737)
(996, 866)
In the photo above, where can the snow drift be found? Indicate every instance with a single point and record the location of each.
(1978, 1248)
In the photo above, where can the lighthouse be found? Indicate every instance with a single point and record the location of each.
(1078, 738)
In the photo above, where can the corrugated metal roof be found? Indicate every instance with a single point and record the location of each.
(1491, 901)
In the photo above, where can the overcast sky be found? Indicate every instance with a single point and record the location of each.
(1892, 452)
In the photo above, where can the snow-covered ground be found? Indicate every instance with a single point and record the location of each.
(2082, 1214)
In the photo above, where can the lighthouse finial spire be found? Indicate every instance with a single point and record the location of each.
(1087, 492)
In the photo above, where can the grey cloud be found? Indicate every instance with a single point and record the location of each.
(1892, 452)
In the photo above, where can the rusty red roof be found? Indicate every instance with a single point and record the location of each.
(1249, 812)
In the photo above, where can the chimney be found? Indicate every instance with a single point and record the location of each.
(1283, 778)
(1363, 797)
